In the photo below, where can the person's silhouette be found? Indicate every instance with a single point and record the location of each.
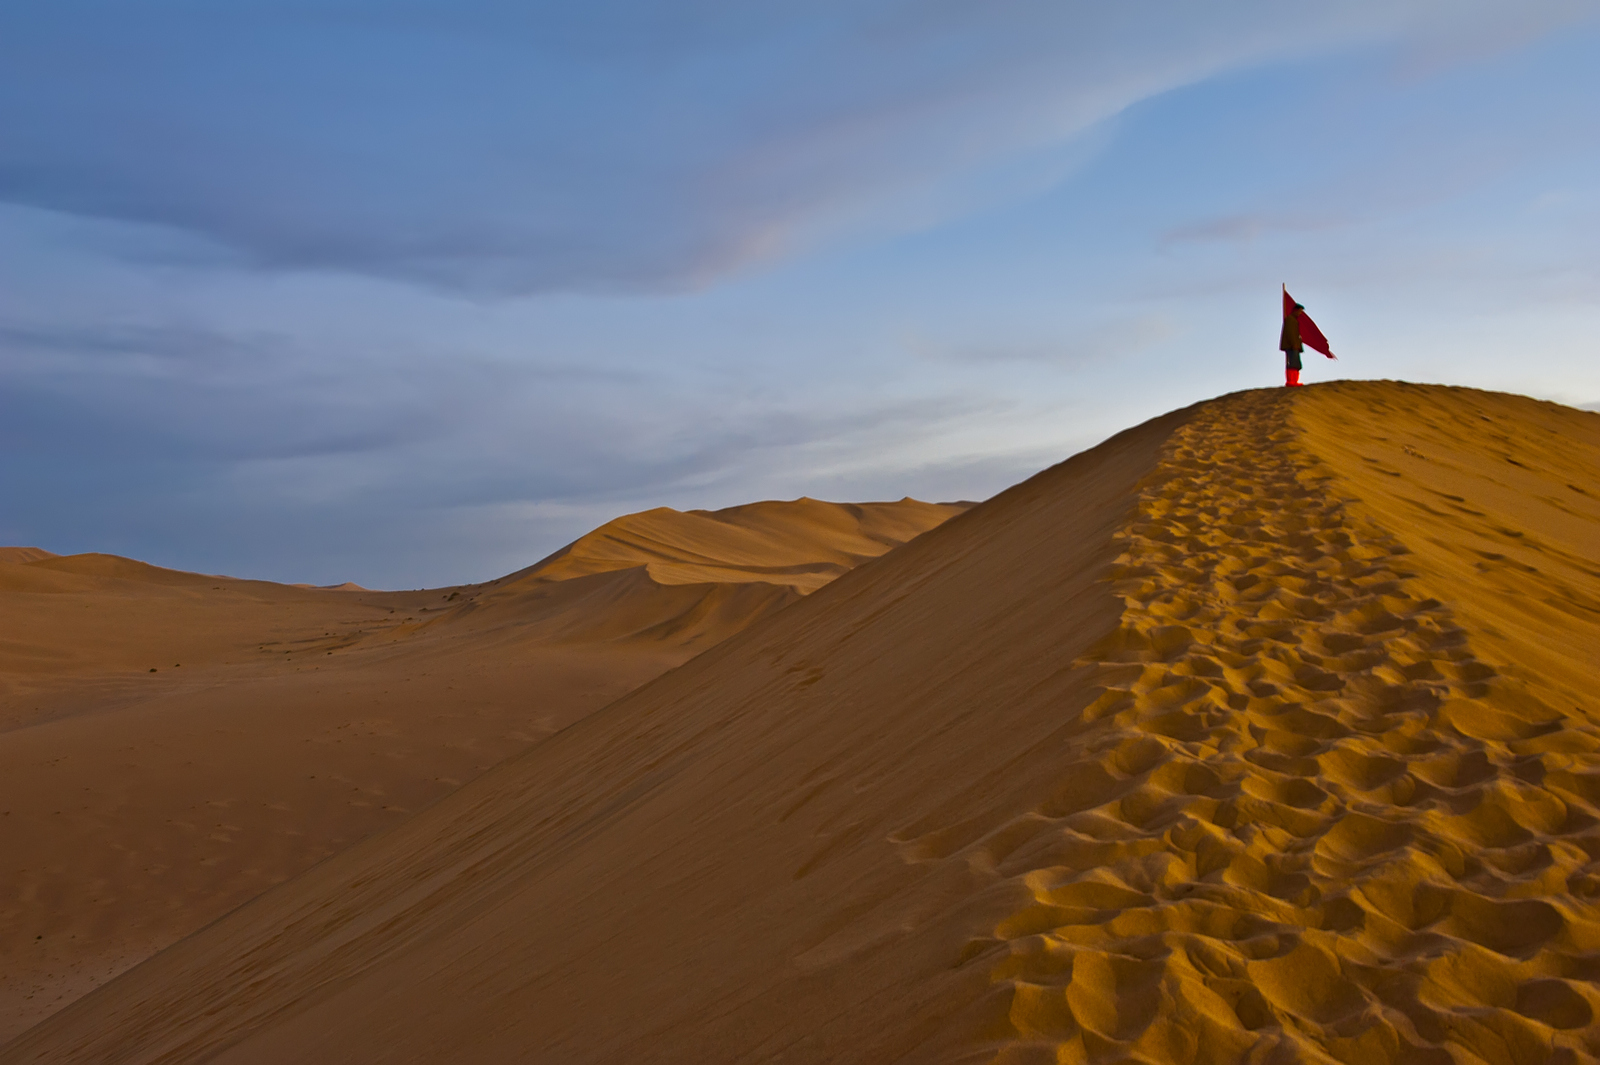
(1299, 333)
(1290, 344)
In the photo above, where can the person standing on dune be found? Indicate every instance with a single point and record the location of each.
(1299, 333)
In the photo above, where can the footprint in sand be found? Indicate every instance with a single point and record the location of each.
(1328, 844)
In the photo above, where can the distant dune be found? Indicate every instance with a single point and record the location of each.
(23, 554)
(1264, 732)
(692, 578)
(801, 545)
(171, 744)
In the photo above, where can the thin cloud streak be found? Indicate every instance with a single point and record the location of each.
(497, 150)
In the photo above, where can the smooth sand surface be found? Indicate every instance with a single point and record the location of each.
(171, 744)
(802, 544)
(1263, 732)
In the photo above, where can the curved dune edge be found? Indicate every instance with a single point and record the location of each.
(1215, 743)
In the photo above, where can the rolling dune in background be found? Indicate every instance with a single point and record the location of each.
(1263, 732)
(171, 744)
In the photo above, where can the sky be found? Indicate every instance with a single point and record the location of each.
(412, 293)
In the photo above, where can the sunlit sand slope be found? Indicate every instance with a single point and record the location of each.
(802, 544)
(1263, 732)
(172, 744)
(690, 578)
(1332, 802)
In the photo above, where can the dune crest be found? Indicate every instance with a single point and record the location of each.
(757, 542)
(1264, 731)
(1313, 816)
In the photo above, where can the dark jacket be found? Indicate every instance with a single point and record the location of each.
(1289, 341)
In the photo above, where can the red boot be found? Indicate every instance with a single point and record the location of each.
(1292, 379)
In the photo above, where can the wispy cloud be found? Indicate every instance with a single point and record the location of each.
(1244, 228)
(1087, 343)
(608, 146)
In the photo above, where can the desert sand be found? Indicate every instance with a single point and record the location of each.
(1265, 731)
(171, 744)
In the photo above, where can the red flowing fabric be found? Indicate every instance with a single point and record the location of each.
(1310, 335)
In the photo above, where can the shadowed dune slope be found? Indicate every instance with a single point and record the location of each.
(23, 554)
(1262, 732)
(172, 744)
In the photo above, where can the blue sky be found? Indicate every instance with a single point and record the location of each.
(412, 293)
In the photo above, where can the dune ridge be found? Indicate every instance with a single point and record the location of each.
(172, 744)
(692, 577)
(1313, 821)
(1262, 732)
(802, 544)
(23, 554)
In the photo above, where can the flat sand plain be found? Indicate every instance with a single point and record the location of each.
(1265, 731)
(171, 744)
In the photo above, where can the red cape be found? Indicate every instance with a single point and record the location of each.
(1310, 335)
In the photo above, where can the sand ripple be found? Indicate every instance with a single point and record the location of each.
(1312, 822)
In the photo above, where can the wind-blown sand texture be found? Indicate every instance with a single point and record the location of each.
(1263, 732)
(171, 744)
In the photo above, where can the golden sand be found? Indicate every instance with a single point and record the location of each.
(1263, 732)
(172, 744)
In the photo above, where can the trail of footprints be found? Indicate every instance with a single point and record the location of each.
(1308, 824)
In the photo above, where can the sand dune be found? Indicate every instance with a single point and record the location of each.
(171, 744)
(1263, 732)
(23, 554)
(693, 577)
(802, 545)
